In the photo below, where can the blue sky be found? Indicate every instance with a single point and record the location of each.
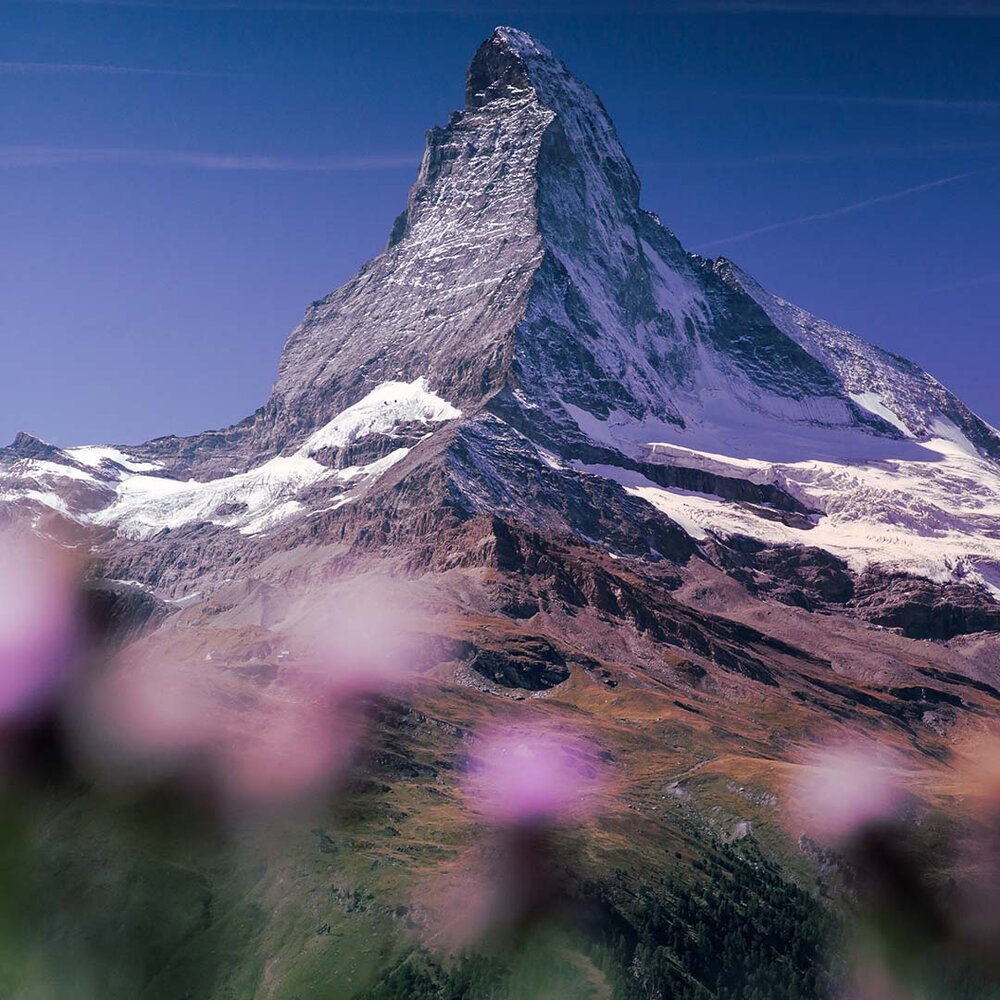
(180, 178)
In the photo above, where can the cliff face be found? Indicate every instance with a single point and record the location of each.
(524, 265)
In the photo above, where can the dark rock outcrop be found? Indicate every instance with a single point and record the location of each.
(922, 609)
(529, 662)
(120, 612)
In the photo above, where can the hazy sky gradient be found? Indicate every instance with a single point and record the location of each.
(178, 180)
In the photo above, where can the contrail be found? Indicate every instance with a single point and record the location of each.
(43, 67)
(853, 8)
(844, 153)
(980, 279)
(46, 156)
(919, 103)
(843, 210)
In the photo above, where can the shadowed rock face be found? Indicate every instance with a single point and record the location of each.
(120, 612)
(27, 446)
(496, 70)
(813, 579)
(808, 578)
(532, 663)
(921, 609)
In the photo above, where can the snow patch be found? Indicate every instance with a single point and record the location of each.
(148, 504)
(935, 518)
(872, 402)
(673, 292)
(254, 501)
(46, 469)
(96, 455)
(386, 407)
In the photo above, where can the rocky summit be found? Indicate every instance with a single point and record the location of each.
(624, 484)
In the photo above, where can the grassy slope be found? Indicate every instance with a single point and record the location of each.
(101, 899)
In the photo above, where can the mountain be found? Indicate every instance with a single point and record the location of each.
(633, 486)
(527, 309)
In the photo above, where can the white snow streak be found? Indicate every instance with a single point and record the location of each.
(253, 501)
(388, 406)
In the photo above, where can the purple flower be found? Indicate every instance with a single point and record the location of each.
(528, 777)
(846, 790)
(39, 626)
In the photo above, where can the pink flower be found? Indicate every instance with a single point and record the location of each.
(39, 625)
(362, 640)
(287, 751)
(150, 715)
(156, 716)
(159, 715)
(846, 790)
(529, 777)
(526, 780)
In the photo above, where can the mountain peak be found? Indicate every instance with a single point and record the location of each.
(502, 64)
(520, 42)
(27, 445)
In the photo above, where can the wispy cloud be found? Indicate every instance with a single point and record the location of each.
(48, 156)
(284, 6)
(974, 282)
(857, 206)
(834, 153)
(96, 68)
(869, 8)
(917, 103)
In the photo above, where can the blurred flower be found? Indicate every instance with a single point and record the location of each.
(149, 715)
(302, 741)
(527, 782)
(872, 980)
(846, 790)
(39, 626)
(361, 640)
(157, 715)
(923, 920)
(286, 751)
(530, 778)
(976, 911)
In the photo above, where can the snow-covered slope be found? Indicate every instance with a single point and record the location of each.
(889, 386)
(139, 499)
(935, 515)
